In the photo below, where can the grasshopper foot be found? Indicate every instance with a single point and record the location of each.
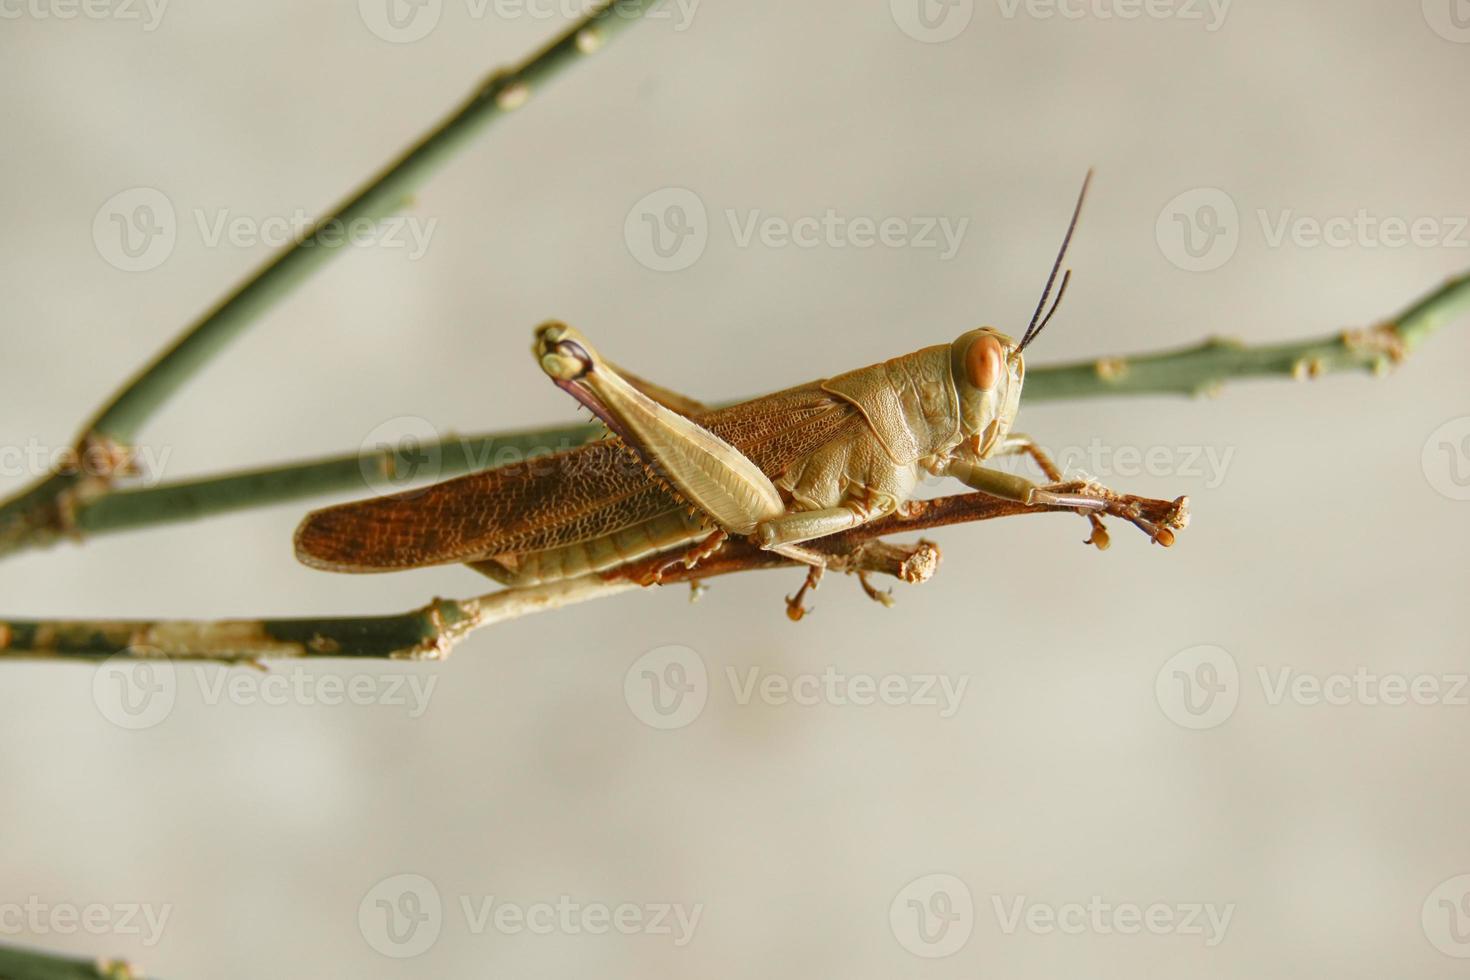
(1100, 538)
(883, 597)
(796, 609)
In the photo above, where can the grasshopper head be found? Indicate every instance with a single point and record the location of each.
(988, 369)
(988, 366)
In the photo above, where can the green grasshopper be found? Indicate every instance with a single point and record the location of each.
(781, 471)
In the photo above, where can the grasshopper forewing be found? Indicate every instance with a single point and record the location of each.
(579, 511)
(781, 470)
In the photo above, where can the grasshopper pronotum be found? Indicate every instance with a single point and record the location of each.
(782, 470)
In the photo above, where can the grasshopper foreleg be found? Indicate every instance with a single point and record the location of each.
(1017, 445)
(1008, 486)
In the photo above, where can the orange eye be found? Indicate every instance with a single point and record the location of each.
(984, 363)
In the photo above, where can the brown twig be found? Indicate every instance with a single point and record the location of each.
(432, 632)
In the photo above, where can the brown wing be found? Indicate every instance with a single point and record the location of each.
(556, 500)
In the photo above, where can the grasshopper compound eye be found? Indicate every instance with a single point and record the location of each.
(985, 363)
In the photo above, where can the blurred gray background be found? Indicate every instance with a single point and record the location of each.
(1154, 764)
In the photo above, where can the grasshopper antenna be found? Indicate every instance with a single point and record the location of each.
(1043, 316)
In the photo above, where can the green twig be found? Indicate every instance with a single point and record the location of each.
(427, 633)
(41, 512)
(1204, 369)
(1191, 371)
(25, 964)
(433, 631)
(168, 503)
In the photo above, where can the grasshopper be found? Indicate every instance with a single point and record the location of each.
(781, 470)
